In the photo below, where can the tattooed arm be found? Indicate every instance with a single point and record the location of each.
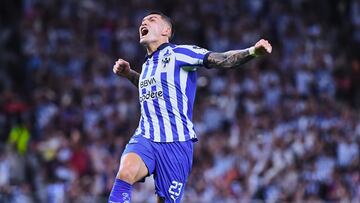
(229, 59)
(235, 58)
(122, 68)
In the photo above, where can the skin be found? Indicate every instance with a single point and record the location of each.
(132, 168)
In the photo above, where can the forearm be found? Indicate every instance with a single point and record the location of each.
(229, 59)
(133, 77)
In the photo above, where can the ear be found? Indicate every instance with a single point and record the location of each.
(166, 31)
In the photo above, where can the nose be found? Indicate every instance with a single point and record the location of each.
(144, 23)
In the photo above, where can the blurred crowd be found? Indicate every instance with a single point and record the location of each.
(282, 128)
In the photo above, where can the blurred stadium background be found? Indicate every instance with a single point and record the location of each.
(284, 128)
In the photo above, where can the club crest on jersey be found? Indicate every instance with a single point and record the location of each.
(166, 59)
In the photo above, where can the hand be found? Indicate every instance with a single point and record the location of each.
(122, 68)
(262, 47)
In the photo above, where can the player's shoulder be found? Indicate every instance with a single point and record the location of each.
(185, 48)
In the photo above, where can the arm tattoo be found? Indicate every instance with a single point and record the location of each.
(229, 59)
(134, 77)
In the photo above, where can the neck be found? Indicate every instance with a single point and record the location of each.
(152, 47)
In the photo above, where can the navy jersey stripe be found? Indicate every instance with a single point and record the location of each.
(183, 63)
(147, 113)
(190, 91)
(156, 61)
(142, 127)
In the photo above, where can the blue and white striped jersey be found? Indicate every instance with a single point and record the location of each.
(167, 88)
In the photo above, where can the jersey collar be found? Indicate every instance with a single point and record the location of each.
(162, 46)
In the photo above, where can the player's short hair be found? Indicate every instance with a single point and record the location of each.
(167, 20)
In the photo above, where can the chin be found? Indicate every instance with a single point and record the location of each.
(148, 40)
(143, 42)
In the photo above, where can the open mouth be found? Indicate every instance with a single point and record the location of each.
(144, 31)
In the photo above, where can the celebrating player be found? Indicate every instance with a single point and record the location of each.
(163, 142)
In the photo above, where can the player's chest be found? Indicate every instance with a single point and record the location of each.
(155, 70)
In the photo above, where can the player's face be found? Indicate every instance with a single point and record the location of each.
(152, 29)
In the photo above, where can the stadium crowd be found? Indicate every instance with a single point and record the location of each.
(283, 128)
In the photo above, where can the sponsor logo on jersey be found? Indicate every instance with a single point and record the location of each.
(147, 82)
(151, 95)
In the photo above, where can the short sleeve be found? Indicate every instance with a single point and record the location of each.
(189, 57)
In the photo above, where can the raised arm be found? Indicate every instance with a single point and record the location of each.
(235, 58)
(122, 68)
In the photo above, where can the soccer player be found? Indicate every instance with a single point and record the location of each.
(163, 142)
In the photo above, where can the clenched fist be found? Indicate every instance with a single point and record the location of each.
(262, 47)
(122, 68)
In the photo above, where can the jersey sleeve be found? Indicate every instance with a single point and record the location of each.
(189, 57)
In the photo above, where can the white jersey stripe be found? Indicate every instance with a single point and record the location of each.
(187, 59)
